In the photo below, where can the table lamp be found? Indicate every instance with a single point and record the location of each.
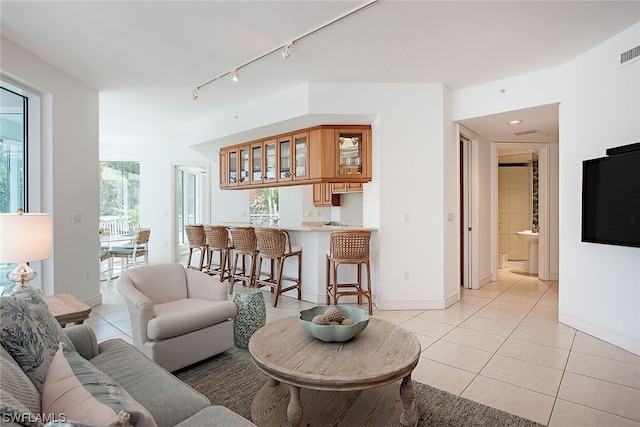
(25, 237)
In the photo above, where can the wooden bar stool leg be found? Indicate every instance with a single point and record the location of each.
(189, 259)
(278, 282)
(252, 271)
(335, 283)
(359, 288)
(369, 293)
(328, 280)
(299, 277)
(232, 273)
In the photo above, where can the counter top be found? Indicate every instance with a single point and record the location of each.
(309, 227)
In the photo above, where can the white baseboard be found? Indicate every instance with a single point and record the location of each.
(412, 305)
(94, 301)
(485, 281)
(626, 343)
(516, 265)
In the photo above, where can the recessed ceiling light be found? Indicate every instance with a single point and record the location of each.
(515, 122)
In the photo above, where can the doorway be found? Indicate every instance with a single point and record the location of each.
(191, 203)
(545, 209)
(488, 134)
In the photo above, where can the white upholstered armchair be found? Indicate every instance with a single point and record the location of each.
(178, 316)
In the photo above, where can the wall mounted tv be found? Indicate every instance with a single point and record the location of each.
(611, 197)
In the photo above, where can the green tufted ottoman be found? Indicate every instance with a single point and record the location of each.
(251, 315)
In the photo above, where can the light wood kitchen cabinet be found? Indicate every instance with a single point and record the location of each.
(285, 159)
(232, 167)
(346, 187)
(323, 195)
(224, 168)
(243, 165)
(352, 153)
(300, 156)
(321, 154)
(264, 164)
(293, 157)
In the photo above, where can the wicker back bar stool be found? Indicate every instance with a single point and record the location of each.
(348, 247)
(275, 246)
(197, 240)
(244, 245)
(219, 242)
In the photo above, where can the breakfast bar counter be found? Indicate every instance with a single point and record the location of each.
(313, 238)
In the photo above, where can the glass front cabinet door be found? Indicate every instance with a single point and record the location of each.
(294, 158)
(285, 157)
(232, 169)
(301, 156)
(243, 176)
(350, 153)
(263, 162)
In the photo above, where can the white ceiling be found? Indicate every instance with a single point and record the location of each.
(146, 57)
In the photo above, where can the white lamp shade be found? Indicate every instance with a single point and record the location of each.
(25, 237)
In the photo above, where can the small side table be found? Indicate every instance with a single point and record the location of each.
(67, 309)
(251, 315)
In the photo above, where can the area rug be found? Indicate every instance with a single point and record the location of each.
(231, 379)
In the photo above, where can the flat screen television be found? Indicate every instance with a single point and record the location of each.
(611, 197)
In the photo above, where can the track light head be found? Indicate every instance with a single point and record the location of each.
(195, 94)
(235, 76)
(287, 51)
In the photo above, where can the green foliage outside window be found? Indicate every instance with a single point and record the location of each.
(120, 190)
(265, 206)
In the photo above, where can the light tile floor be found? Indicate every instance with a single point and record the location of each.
(501, 346)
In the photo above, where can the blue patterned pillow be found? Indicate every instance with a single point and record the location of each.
(30, 333)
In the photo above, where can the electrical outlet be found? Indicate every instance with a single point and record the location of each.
(405, 275)
(405, 217)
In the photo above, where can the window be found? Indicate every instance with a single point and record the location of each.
(264, 208)
(13, 160)
(13, 111)
(119, 196)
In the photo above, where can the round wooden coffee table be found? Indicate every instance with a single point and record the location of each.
(382, 354)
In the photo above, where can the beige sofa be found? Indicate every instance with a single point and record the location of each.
(179, 316)
(50, 374)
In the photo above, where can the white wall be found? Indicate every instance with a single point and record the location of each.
(68, 175)
(515, 93)
(409, 176)
(413, 135)
(599, 284)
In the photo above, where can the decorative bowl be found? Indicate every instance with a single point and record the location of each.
(334, 333)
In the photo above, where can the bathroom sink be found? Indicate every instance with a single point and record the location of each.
(528, 236)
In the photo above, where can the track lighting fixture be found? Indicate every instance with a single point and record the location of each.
(287, 51)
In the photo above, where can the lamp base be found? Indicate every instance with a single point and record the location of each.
(21, 275)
